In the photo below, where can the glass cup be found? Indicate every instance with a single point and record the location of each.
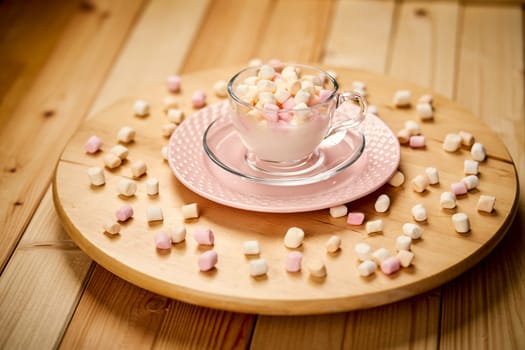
(283, 115)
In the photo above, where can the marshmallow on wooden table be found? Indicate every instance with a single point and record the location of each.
(366, 268)
(120, 151)
(198, 99)
(126, 187)
(141, 108)
(152, 187)
(427, 98)
(419, 212)
(412, 127)
(294, 237)
(175, 115)
(164, 152)
(390, 265)
(461, 222)
(111, 161)
(471, 167)
(93, 144)
(374, 226)
(458, 188)
(381, 254)
(124, 213)
(402, 98)
(403, 136)
(190, 211)
(355, 218)
(317, 268)
(168, 129)
(486, 203)
(452, 142)
(220, 88)
(177, 234)
(251, 247)
(420, 183)
(363, 251)
(138, 168)
(293, 261)
(96, 176)
(111, 227)
(333, 244)
(412, 230)
(405, 257)
(338, 211)
(373, 110)
(432, 175)
(258, 267)
(478, 152)
(397, 179)
(447, 200)
(403, 242)
(173, 83)
(382, 203)
(466, 138)
(424, 110)
(417, 141)
(154, 214)
(170, 102)
(471, 182)
(126, 134)
(208, 260)
(204, 236)
(162, 241)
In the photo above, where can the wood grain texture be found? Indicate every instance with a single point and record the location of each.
(480, 309)
(51, 110)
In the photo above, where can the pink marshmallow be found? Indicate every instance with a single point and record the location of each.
(355, 218)
(417, 141)
(162, 241)
(270, 112)
(324, 94)
(459, 188)
(293, 261)
(93, 144)
(285, 117)
(208, 260)
(204, 236)
(276, 64)
(390, 265)
(173, 83)
(289, 103)
(198, 99)
(124, 213)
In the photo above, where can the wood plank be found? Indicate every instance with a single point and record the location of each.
(35, 312)
(482, 308)
(52, 108)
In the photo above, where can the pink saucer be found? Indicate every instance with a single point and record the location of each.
(195, 170)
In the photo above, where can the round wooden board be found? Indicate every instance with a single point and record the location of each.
(440, 255)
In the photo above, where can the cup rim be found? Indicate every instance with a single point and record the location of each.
(237, 99)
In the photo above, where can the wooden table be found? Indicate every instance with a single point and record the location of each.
(63, 61)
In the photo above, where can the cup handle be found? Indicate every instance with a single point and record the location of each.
(352, 122)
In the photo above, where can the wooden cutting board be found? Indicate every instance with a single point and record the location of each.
(440, 255)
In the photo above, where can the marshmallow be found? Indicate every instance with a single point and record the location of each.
(93, 144)
(258, 267)
(419, 212)
(112, 227)
(138, 168)
(405, 257)
(428, 99)
(413, 127)
(96, 175)
(190, 211)
(126, 134)
(486, 203)
(164, 152)
(162, 241)
(254, 62)
(403, 242)
(170, 102)
(466, 138)
(152, 187)
(208, 260)
(173, 82)
(168, 129)
(412, 230)
(366, 268)
(338, 211)
(402, 98)
(403, 136)
(447, 200)
(317, 268)
(333, 244)
(452, 142)
(266, 72)
(355, 218)
(293, 261)
(390, 265)
(432, 175)
(458, 188)
(478, 152)
(381, 255)
(124, 213)
(461, 222)
(374, 226)
(373, 110)
(424, 110)
(251, 247)
(198, 99)
(417, 141)
(471, 167)
(204, 236)
(120, 151)
(154, 214)
(294, 237)
(220, 88)
(111, 161)
(175, 116)
(363, 251)
(177, 234)
(397, 179)
(420, 183)
(141, 108)
(471, 182)
(126, 187)
(382, 203)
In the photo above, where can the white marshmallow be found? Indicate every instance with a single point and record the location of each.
(366, 268)
(126, 134)
(141, 108)
(373, 109)
(220, 88)
(478, 152)
(120, 151)
(428, 99)
(420, 183)
(177, 234)
(154, 214)
(112, 227)
(471, 167)
(397, 179)
(403, 242)
(405, 257)
(138, 168)
(419, 212)
(338, 211)
(294, 237)
(164, 152)
(447, 200)
(317, 268)
(374, 226)
(258, 267)
(471, 181)
(190, 211)
(152, 187)
(264, 85)
(333, 244)
(302, 96)
(168, 129)
(486, 203)
(382, 203)
(175, 115)
(96, 175)
(412, 230)
(266, 72)
(402, 98)
(111, 161)
(363, 251)
(403, 136)
(461, 222)
(466, 138)
(255, 62)
(126, 187)
(424, 110)
(169, 103)
(452, 142)
(432, 175)
(381, 254)
(412, 127)
(251, 247)
(281, 95)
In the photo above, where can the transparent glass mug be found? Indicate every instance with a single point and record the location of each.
(288, 137)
